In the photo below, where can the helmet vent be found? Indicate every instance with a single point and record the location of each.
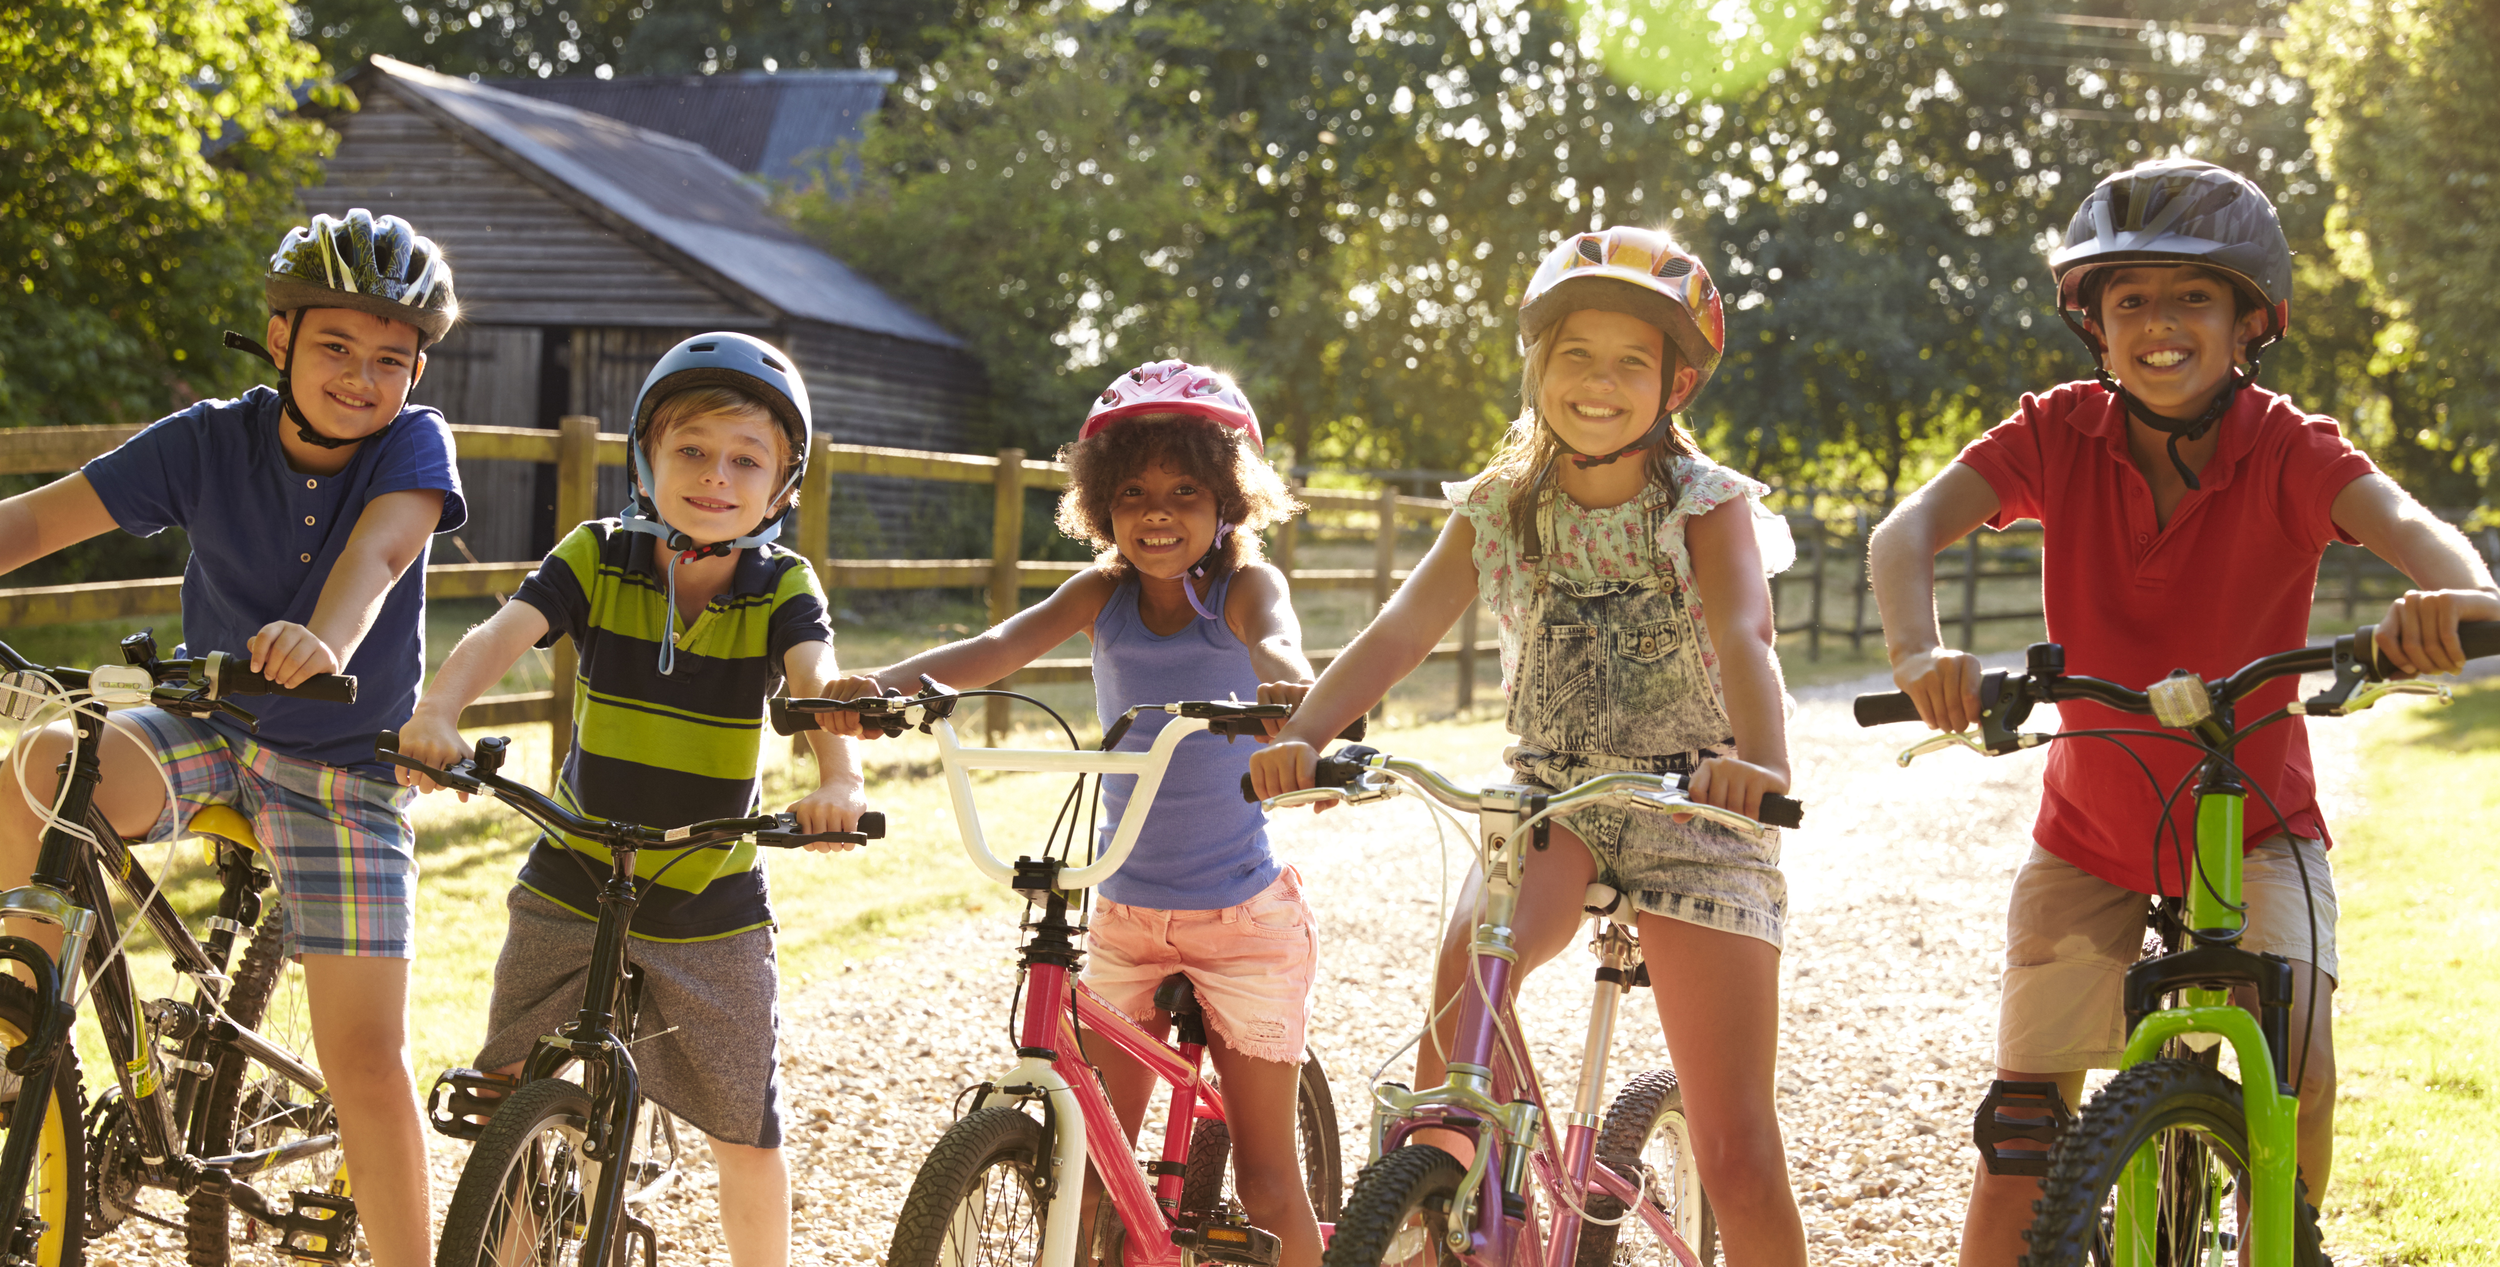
(708, 347)
(1592, 250)
(1674, 266)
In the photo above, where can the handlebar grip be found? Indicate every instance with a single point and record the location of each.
(1892, 706)
(788, 836)
(790, 721)
(2479, 638)
(235, 677)
(1341, 770)
(872, 825)
(1779, 811)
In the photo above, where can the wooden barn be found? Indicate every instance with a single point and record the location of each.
(585, 246)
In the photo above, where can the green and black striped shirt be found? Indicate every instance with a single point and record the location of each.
(668, 750)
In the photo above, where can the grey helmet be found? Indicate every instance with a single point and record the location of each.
(369, 264)
(2177, 211)
(724, 359)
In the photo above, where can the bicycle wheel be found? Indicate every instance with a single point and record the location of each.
(56, 1186)
(977, 1198)
(1316, 1151)
(1646, 1139)
(251, 1106)
(2188, 1116)
(524, 1196)
(1399, 1212)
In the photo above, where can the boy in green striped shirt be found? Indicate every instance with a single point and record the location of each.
(686, 617)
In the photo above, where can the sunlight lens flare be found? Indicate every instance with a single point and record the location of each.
(1709, 48)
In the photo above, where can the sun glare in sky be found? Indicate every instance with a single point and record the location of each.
(1710, 48)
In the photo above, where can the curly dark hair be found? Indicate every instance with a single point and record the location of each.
(1248, 493)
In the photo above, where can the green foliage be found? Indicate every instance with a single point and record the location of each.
(124, 242)
(632, 37)
(2408, 126)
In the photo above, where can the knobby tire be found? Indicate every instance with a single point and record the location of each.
(251, 1106)
(1399, 1212)
(977, 1199)
(57, 1184)
(1647, 1139)
(527, 1163)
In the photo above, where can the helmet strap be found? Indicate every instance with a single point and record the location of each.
(1199, 570)
(641, 515)
(2183, 428)
(1649, 440)
(286, 385)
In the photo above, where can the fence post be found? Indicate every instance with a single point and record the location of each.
(1006, 544)
(577, 501)
(1814, 601)
(2352, 581)
(1467, 655)
(1857, 617)
(815, 525)
(1970, 592)
(1291, 527)
(1384, 568)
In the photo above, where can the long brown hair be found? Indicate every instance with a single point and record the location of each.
(1248, 493)
(1531, 454)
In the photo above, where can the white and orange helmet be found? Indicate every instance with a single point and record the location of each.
(1642, 273)
(1174, 387)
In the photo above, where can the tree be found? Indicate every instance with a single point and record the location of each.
(634, 37)
(2407, 126)
(149, 158)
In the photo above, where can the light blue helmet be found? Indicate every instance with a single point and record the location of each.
(719, 359)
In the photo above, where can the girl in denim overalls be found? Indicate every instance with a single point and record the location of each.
(1628, 575)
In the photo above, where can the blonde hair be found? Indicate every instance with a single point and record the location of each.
(1531, 452)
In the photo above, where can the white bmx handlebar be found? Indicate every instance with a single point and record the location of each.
(959, 762)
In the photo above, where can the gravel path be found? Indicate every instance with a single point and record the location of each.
(1897, 886)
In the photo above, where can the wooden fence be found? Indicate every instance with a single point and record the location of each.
(578, 448)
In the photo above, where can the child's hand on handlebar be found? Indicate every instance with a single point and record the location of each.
(847, 724)
(287, 653)
(1733, 783)
(834, 807)
(2419, 634)
(1279, 693)
(1286, 765)
(434, 741)
(1944, 683)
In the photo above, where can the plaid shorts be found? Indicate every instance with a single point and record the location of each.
(339, 842)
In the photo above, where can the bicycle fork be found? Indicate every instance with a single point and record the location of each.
(1618, 958)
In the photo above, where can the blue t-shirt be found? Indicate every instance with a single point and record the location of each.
(263, 539)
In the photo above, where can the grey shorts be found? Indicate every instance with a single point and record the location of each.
(1696, 872)
(2070, 937)
(707, 1040)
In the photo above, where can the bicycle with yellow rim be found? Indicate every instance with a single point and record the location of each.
(213, 1116)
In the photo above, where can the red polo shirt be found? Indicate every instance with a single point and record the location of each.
(2228, 580)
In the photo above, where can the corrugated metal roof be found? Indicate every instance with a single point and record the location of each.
(673, 190)
(769, 124)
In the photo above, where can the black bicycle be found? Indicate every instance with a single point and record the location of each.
(557, 1162)
(215, 1114)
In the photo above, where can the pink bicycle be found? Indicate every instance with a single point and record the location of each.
(1004, 1184)
(1528, 1198)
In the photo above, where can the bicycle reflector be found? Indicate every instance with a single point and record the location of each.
(2180, 701)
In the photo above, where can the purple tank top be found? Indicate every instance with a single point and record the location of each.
(1203, 848)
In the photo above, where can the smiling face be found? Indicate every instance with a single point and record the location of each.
(2173, 334)
(718, 476)
(1604, 377)
(352, 370)
(1163, 520)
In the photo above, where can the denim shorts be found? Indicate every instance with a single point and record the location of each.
(339, 842)
(2070, 937)
(1694, 871)
(1252, 965)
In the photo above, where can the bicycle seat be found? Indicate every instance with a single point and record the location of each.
(224, 823)
(1604, 900)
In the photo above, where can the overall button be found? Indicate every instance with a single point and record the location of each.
(303, 558)
(1649, 645)
(308, 521)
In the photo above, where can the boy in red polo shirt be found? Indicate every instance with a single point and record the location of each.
(2186, 511)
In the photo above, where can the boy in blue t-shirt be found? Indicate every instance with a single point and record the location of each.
(309, 510)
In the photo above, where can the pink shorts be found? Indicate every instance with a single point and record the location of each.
(1252, 965)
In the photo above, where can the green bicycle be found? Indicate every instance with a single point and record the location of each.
(2174, 1162)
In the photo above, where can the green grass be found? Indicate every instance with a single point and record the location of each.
(2417, 1177)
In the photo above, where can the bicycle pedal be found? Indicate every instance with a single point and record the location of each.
(1227, 1241)
(456, 1106)
(321, 1228)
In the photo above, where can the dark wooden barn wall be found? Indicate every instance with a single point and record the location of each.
(488, 376)
(520, 256)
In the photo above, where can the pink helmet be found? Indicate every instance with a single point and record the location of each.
(1173, 387)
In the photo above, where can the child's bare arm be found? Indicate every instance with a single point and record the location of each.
(389, 536)
(1736, 606)
(58, 515)
(1901, 563)
(839, 799)
(1010, 644)
(432, 732)
(1259, 610)
(2419, 634)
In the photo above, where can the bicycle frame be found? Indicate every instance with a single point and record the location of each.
(1492, 1084)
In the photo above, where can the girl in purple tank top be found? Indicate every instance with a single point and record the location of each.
(1167, 483)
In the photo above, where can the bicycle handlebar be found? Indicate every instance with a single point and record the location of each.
(1347, 770)
(196, 686)
(478, 776)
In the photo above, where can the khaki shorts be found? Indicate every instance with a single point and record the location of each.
(2070, 937)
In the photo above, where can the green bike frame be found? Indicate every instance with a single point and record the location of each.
(2214, 901)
